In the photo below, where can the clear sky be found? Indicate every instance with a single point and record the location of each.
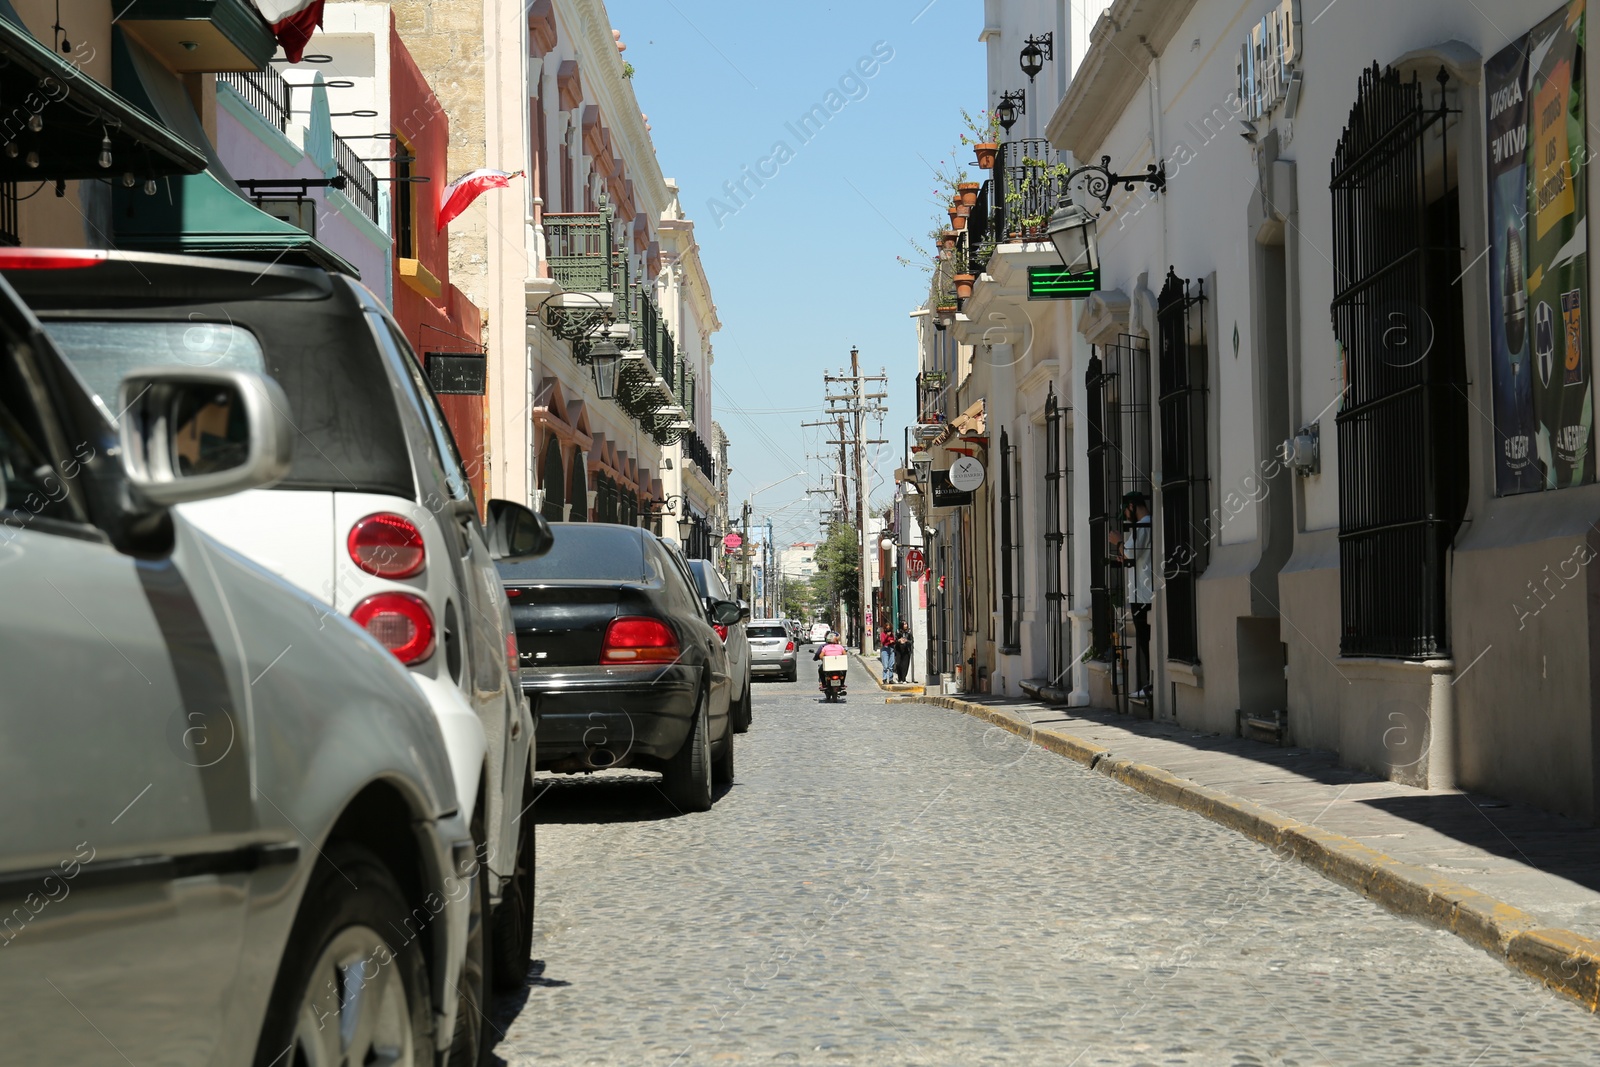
(803, 265)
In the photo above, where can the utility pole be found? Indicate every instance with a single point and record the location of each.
(744, 553)
(856, 406)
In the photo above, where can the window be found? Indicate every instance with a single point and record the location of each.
(1184, 484)
(405, 200)
(9, 204)
(553, 480)
(1402, 424)
(447, 460)
(1009, 642)
(597, 553)
(1055, 594)
(1118, 382)
(578, 488)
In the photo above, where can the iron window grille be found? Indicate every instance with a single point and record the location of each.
(1009, 642)
(405, 203)
(1119, 463)
(1057, 494)
(1185, 497)
(1397, 315)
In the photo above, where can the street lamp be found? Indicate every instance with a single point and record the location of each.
(1035, 52)
(606, 357)
(1011, 105)
(1072, 231)
(685, 529)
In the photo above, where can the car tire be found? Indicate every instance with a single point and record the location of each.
(740, 714)
(722, 769)
(352, 910)
(512, 933)
(688, 773)
(470, 1046)
(792, 676)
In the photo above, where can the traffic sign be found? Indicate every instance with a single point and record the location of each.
(916, 565)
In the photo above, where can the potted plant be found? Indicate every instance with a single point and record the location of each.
(958, 214)
(969, 193)
(983, 134)
(947, 240)
(964, 285)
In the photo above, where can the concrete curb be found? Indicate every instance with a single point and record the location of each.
(887, 687)
(1560, 959)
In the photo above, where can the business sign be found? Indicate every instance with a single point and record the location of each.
(966, 474)
(946, 495)
(1539, 265)
(1267, 61)
(916, 565)
(732, 541)
(1058, 283)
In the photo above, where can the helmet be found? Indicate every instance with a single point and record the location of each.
(833, 637)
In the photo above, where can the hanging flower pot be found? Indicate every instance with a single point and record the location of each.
(986, 153)
(958, 221)
(969, 193)
(964, 285)
(952, 212)
(947, 240)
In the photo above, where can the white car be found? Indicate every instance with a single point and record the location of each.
(376, 516)
(819, 632)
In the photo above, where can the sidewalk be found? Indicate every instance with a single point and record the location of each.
(1519, 883)
(874, 668)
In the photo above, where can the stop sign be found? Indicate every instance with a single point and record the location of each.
(916, 564)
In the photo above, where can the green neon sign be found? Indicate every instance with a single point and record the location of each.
(1055, 283)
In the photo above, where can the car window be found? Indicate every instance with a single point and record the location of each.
(707, 580)
(680, 586)
(34, 487)
(590, 551)
(766, 631)
(421, 394)
(347, 426)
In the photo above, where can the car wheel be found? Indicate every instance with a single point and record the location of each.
(470, 1046)
(743, 714)
(513, 919)
(793, 675)
(722, 769)
(688, 773)
(344, 976)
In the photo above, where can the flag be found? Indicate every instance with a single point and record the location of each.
(459, 194)
(293, 22)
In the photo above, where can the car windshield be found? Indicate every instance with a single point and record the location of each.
(765, 631)
(584, 552)
(104, 352)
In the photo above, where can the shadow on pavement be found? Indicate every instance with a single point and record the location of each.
(606, 796)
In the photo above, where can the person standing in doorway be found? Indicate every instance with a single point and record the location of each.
(902, 653)
(1134, 547)
(886, 652)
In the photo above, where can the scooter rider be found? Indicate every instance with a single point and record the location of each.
(830, 647)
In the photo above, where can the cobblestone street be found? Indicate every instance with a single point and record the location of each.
(904, 884)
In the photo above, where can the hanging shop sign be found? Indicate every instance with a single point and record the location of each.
(1057, 283)
(966, 474)
(1268, 62)
(946, 495)
(1539, 265)
(732, 541)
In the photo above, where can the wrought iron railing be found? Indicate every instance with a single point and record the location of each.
(1029, 183)
(695, 450)
(265, 91)
(8, 214)
(360, 184)
(581, 250)
(1185, 480)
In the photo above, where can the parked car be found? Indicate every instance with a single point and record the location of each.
(219, 795)
(375, 516)
(621, 659)
(771, 648)
(712, 589)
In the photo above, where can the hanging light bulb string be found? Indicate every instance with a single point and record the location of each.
(33, 194)
(61, 31)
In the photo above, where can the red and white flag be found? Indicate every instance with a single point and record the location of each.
(293, 22)
(459, 194)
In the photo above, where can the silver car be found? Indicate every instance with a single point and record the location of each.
(233, 833)
(771, 647)
(711, 587)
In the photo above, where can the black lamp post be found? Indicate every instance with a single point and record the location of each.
(1035, 52)
(1072, 228)
(606, 357)
(1011, 105)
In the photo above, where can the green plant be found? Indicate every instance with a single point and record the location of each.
(627, 69)
(983, 129)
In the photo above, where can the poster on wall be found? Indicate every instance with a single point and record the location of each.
(1538, 277)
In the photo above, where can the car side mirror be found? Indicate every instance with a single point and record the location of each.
(516, 533)
(744, 610)
(194, 433)
(727, 612)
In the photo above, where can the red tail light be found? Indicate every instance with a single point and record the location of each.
(513, 660)
(401, 622)
(639, 639)
(49, 258)
(387, 545)
(722, 631)
(789, 647)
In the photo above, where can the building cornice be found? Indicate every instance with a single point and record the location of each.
(1126, 38)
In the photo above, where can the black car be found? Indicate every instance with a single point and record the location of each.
(621, 658)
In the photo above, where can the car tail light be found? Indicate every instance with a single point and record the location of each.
(387, 545)
(722, 631)
(789, 647)
(401, 622)
(639, 639)
(513, 660)
(50, 258)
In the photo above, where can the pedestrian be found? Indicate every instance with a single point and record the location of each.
(1134, 553)
(902, 653)
(886, 652)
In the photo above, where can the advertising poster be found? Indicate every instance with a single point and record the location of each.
(1538, 227)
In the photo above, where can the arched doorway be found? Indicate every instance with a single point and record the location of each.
(553, 481)
(578, 489)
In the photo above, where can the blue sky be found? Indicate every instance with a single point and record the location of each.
(805, 266)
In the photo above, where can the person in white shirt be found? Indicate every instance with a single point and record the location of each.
(1134, 550)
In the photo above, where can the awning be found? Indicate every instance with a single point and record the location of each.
(205, 213)
(75, 115)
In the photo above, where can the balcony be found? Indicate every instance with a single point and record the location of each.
(696, 452)
(1026, 186)
(360, 184)
(265, 91)
(199, 36)
(582, 251)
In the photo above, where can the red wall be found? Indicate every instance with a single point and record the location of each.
(450, 322)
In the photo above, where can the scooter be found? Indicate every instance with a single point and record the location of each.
(833, 687)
